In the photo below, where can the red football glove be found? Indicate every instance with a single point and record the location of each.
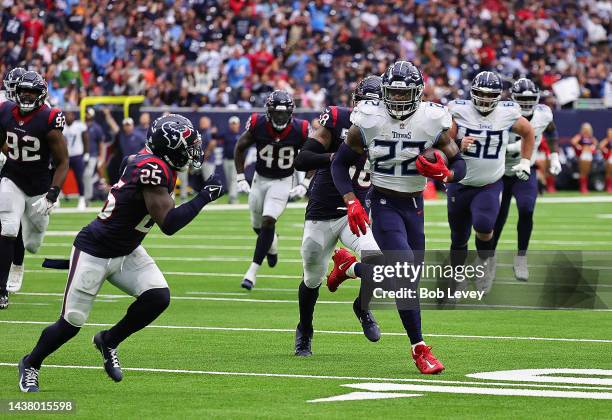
(357, 218)
(436, 170)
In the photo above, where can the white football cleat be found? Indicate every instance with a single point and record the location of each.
(15, 278)
(521, 271)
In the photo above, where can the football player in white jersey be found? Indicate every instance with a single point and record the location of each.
(394, 132)
(484, 125)
(526, 94)
(75, 132)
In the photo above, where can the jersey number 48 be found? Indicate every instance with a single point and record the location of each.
(284, 160)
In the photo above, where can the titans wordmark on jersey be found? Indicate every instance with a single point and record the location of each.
(393, 145)
(485, 159)
(542, 117)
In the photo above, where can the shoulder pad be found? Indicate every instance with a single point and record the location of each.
(511, 107)
(367, 114)
(546, 111)
(56, 120)
(455, 105)
(439, 116)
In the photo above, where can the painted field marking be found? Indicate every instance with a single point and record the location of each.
(292, 331)
(548, 376)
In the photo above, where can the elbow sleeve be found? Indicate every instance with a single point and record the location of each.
(312, 156)
(343, 159)
(179, 217)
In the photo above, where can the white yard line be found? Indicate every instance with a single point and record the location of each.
(292, 330)
(328, 377)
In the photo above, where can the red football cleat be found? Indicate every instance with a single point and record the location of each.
(343, 259)
(425, 361)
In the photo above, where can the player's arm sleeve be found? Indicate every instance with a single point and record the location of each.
(344, 158)
(312, 156)
(179, 217)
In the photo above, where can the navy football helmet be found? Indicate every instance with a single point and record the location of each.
(10, 82)
(173, 138)
(368, 88)
(30, 92)
(486, 91)
(526, 94)
(402, 89)
(279, 109)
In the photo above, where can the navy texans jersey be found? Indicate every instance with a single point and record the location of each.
(325, 202)
(124, 221)
(276, 150)
(28, 162)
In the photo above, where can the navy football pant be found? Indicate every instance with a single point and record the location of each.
(472, 206)
(525, 193)
(398, 227)
(78, 167)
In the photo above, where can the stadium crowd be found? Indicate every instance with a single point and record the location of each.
(234, 52)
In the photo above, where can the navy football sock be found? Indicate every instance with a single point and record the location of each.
(7, 249)
(458, 255)
(524, 228)
(308, 299)
(257, 230)
(485, 249)
(365, 273)
(145, 309)
(264, 242)
(51, 339)
(411, 319)
(19, 250)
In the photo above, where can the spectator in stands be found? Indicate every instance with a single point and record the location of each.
(585, 145)
(127, 138)
(230, 138)
(75, 133)
(97, 154)
(238, 68)
(143, 124)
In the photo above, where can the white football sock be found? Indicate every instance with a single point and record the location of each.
(252, 272)
(351, 271)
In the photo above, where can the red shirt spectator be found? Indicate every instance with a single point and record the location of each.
(260, 60)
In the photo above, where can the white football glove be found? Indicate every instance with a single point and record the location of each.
(514, 147)
(86, 157)
(2, 160)
(45, 204)
(243, 184)
(522, 170)
(555, 164)
(301, 190)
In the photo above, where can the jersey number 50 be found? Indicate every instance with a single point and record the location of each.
(489, 149)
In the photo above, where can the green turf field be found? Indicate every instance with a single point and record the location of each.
(219, 351)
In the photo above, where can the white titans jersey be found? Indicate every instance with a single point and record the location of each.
(74, 137)
(542, 116)
(485, 159)
(393, 145)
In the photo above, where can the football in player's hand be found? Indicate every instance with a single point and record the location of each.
(430, 155)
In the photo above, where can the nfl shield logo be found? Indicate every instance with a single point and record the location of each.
(20, 122)
(402, 126)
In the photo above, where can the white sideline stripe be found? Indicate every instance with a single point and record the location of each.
(303, 376)
(302, 205)
(292, 330)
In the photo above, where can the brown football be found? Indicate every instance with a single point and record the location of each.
(431, 157)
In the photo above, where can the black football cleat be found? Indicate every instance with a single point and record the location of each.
(110, 356)
(28, 376)
(272, 260)
(247, 284)
(4, 301)
(369, 325)
(303, 343)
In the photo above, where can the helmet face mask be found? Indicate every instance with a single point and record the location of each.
(173, 138)
(486, 91)
(30, 92)
(527, 95)
(10, 82)
(402, 89)
(279, 109)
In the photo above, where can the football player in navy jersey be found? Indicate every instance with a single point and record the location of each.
(326, 219)
(278, 137)
(109, 248)
(36, 166)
